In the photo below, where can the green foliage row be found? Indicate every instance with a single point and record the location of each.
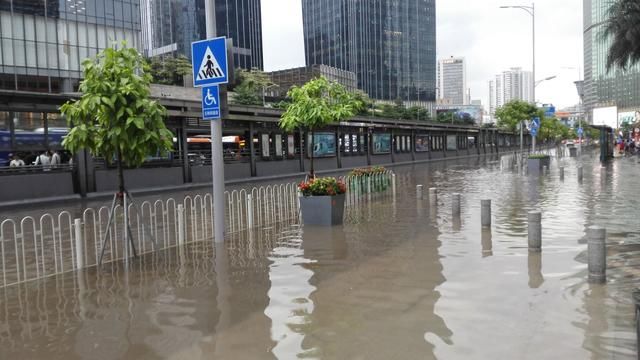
(169, 70)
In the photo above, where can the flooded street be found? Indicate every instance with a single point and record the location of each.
(400, 280)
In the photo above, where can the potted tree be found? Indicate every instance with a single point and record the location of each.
(116, 118)
(317, 104)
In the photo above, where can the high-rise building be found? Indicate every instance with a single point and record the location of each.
(601, 88)
(43, 43)
(514, 84)
(452, 81)
(170, 26)
(390, 45)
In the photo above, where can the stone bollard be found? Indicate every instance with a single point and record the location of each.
(545, 170)
(433, 196)
(455, 205)
(181, 225)
(636, 301)
(534, 219)
(419, 192)
(561, 169)
(580, 173)
(597, 254)
(79, 242)
(485, 213)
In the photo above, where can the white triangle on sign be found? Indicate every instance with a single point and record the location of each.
(209, 68)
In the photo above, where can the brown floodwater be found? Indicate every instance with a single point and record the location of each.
(400, 280)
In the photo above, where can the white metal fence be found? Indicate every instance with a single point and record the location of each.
(33, 248)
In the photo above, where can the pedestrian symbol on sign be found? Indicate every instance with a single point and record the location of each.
(209, 69)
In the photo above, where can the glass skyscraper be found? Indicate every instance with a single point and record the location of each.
(44, 42)
(170, 26)
(389, 44)
(601, 88)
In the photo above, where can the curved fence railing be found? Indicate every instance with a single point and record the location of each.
(33, 248)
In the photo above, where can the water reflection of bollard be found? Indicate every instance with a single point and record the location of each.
(433, 196)
(485, 213)
(534, 219)
(455, 205)
(77, 227)
(545, 170)
(419, 192)
(487, 242)
(603, 174)
(561, 169)
(597, 254)
(181, 229)
(580, 173)
(535, 270)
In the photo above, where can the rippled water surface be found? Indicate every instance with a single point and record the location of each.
(400, 280)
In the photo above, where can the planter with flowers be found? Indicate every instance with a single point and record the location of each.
(322, 201)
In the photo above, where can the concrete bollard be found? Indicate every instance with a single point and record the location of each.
(181, 227)
(534, 220)
(455, 205)
(485, 213)
(545, 170)
(561, 169)
(79, 242)
(433, 196)
(250, 222)
(597, 254)
(580, 173)
(393, 184)
(419, 192)
(636, 301)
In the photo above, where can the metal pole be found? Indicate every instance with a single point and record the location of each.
(533, 20)
(535, 231)
(217, 161)
(77, 226)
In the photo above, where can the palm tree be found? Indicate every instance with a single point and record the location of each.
(623, 28)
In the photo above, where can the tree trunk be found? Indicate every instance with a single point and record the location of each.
(120, 173)
(313, 144)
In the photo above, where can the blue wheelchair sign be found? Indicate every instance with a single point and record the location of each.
(534, 131)
(209, 61)
(580, 132)
(211, 103)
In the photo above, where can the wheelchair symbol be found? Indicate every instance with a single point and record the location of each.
(209, 99)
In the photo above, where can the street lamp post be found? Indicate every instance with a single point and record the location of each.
(531, 10)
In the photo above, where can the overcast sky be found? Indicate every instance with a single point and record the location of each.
(491, 40)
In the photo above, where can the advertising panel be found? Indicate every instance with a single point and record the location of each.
(606, 116)
(324, 144)
(451, 142)
(381, 144)
(422, 143)
(264, 142)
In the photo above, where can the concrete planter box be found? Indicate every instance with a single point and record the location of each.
(322, 210)
(534, 166)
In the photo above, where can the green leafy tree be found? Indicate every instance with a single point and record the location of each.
(622, 29)
(316, 104)
(250, 86)
(514, 112)
(169, 70)
(115, 117)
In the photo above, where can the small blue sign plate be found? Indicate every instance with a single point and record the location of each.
(209, 61)
(535, 123)
(580, 132)
(534, 131)
(211, 103)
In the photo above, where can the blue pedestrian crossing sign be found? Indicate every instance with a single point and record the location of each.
(211, 103)
(535, 123)
(534, 131)
(209, 61)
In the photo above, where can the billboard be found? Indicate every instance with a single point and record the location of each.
(324, 144)
(471, 112)
(381, 144)
(606, 116)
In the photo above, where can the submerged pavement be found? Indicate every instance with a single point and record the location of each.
(400, 280)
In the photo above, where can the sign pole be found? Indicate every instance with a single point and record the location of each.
(217, 160)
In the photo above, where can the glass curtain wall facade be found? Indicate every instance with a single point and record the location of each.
(390, 45)
(170, 26)
(44, 42)
(615, 88)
